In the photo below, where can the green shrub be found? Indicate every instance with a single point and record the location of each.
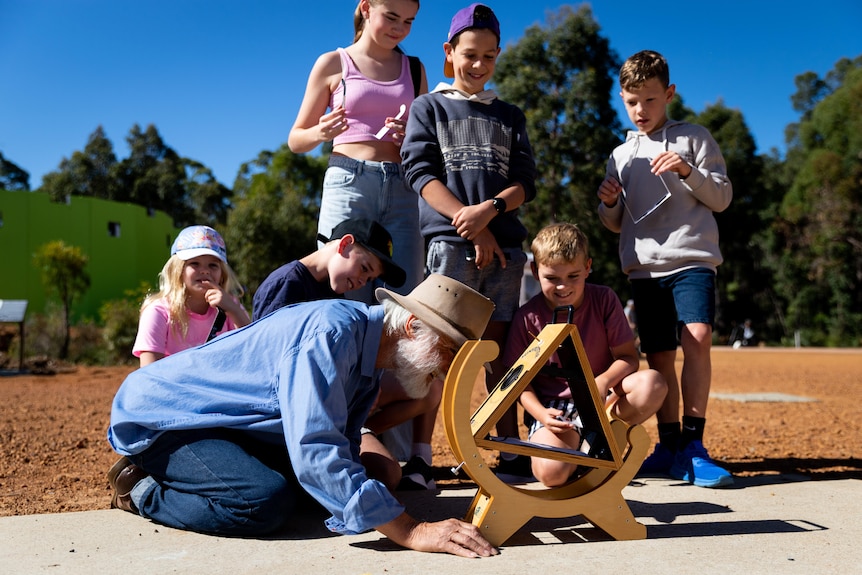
(120, 320)
(87, 345)
(44, 333)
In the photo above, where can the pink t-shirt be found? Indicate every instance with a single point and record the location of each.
(601, 324)
(155, 335)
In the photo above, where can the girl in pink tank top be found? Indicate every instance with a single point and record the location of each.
(363, 93)
(354, 99)
(370, 103)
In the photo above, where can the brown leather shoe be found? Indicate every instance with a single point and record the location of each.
(123, 476)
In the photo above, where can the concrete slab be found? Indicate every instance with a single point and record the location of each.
(765, 525)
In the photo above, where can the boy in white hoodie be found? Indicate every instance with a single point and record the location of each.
(660, 191)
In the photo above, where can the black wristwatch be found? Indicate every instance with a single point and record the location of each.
(499, 205)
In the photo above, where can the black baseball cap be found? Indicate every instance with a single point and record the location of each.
(373, 237)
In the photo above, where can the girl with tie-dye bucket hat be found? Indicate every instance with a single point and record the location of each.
(198, 298)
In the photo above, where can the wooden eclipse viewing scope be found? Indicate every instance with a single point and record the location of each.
(613, 450)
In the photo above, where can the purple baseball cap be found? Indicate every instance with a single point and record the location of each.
(475, 15)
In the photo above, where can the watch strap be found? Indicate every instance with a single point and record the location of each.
(499, 205)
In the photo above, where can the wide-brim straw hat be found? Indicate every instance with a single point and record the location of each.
(446, 305)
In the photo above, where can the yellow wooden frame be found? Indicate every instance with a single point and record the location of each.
(500, 509)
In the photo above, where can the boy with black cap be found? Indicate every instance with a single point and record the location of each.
(466, 153)
(357, 252)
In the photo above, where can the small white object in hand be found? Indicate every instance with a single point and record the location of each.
(385, 129)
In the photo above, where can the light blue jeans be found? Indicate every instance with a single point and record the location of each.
(377, 191)
(216, 481)
(501, 285)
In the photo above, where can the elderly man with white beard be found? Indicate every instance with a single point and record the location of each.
(223, 438)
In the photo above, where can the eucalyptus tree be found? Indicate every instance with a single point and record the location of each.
(817, 242)
(90, 172)
(210, 200)
(153, 176)
(274, 218)
(64, 274)
(744, 285)
(562, 75)
(12, 177)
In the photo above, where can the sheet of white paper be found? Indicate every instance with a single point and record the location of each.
(642, 206)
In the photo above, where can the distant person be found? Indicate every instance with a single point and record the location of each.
(364, 87)
(561, 264)
(467, 154)
(198, 298)
(661, 189)
(228, 437)
(742, 336)
(747, 332)
(631, 316)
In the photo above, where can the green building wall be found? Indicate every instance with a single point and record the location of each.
(125, 245)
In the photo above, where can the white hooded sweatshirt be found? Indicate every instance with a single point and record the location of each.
(666, 224)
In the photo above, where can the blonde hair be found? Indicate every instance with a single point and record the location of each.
(173, 290)
(359, 20)
(560, 243)
(643, 66)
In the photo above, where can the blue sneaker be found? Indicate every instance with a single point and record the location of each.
(658, 462)
(694, 465)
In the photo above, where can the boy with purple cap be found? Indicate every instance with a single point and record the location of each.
(466, 153)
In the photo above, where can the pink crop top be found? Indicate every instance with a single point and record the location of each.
(369, 102)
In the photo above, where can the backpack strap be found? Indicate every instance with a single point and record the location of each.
(415, 73)
(221, 316)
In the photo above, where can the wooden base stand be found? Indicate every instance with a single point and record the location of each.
(500, 509)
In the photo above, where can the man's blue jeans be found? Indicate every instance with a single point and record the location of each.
(216, 481)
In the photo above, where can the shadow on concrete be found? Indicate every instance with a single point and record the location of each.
(664, 520)
(674, 522)
(548, 532)
(787, 469)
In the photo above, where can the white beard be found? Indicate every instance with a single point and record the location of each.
(416, 359)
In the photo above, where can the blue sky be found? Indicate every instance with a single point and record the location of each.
(222, 80)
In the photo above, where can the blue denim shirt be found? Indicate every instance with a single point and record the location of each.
(304, 374)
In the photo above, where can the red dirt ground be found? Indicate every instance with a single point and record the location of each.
(54, 455)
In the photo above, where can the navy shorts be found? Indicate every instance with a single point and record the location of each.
(663, 305)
